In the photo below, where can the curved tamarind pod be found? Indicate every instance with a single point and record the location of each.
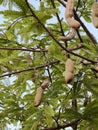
(45, 84)
(95, 9)
(70, 36)
(95, 21)
(69, 14)
(38, 96)
(69, 66)
(69, 76)
(73, 23)
(69, 8)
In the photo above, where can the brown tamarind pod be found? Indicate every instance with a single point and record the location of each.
(95, 14)
(45, 84)
(38, 96)
(69, 66)
(69, 13)
(70, 36)
(68, 76)
(95, 9)
(69, 8)
(73, 23)
(95, 20)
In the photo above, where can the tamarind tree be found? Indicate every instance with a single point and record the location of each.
(33, 89)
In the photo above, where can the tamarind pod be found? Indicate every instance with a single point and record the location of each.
(38, 96)
(69, 66)
(45, 84)
(68, 76)
(69, 9)
(95, 21)
(73, 23)
(95, 9)
(69, 37)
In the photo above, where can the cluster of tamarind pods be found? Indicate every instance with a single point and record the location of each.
(74, 24)
(69, 65)
(39, 92)
(69, 75)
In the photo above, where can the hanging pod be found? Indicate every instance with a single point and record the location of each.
(74, 24)
(45, 84)
(38, 96)
(69, 70)
(39, 92)
(69, 66)
(69, 13)
(68, 76)
(95, 14)
(69, 36)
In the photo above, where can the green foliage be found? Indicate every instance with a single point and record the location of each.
(28, 55)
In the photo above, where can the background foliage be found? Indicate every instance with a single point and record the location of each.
(30, 52)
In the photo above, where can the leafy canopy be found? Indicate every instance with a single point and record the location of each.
(30, 52)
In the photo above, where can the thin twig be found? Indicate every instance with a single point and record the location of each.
(80, 38)
(65, 125)
(58, 18)
(22, 49)
(76, 48)
(48, 68)
(78, 5)
(29, 69)
(16, 20)
(52, 1)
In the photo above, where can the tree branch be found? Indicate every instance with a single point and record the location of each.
(76, 48)
(80, 38)
(52, 1)
(62, 32)
(48, 69)
(23, 49)
(16, 20)
(29, 69)
(65, 125)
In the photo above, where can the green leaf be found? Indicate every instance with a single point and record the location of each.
(72, 114)
(92, 85)
(49, 111)
(1, 1)
(91, 114)
(49, 114)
